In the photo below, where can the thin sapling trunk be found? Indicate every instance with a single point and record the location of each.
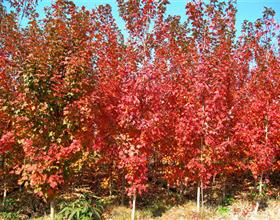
(198, 197)
(133, 206)
(52, 210)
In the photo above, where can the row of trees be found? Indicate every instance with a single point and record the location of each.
(179, 101)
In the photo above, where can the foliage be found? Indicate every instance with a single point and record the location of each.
(81, 208)
(223, 210)
(7, 210)
(228, 200)
(179, 101)
(9, 215)
(9, 202)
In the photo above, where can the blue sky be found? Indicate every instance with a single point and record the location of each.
(247, 9)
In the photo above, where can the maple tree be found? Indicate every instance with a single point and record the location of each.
(47, 86)
(179, 101)
(10, 151)
(258, 124)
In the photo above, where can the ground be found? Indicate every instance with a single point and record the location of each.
(237, 202)
(237, 211)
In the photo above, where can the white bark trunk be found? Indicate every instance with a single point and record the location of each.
(198, 198)
(110, 186)
(133, 206)
(4, 184)
(202, 200)
(4, 195)
(256, 208)
(261, 183)
(123, 189)
(261, 177)
(266, 139)
(52, 211)
(224, 191)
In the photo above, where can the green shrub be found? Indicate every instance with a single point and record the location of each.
(9, 215)
(9, 202)
(222, 210)
(228, 200)
(81, 209)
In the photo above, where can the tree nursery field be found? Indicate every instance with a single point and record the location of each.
(180, 119)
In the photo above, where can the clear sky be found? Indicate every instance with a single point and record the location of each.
(247, 9)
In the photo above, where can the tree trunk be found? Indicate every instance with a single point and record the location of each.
(266, 129)
(260, 193)
(111, 179)
(133, 206)
(198, 198)
(4, 182)
(202, 200)
(261, 177)
(123, 188)
(256, 208)
(261, 183)
(214, 180)
(266, 139)
(224, 190)
(4, 195)
(52, 211)
(199, 187)
(110, 186)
